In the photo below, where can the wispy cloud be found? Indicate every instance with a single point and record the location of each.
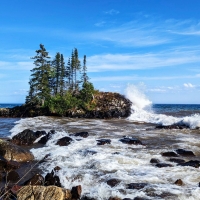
(189, 85)
(112, 12)
(110, 62)
(100, 24)
(16, 65)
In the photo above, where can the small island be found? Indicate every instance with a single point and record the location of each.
(59, 89)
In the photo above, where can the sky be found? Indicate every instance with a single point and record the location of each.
(152, 44)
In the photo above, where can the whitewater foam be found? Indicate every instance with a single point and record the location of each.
(142, 111)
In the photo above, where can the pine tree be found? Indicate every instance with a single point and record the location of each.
(62, 75)
(39, 83)
(77, 68)
(84, 71)
(68, 74)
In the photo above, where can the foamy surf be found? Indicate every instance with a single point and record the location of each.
(142, 111)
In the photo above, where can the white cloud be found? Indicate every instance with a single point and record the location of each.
(189, 85)
(100, 24)
(16, 65)
(109, 62)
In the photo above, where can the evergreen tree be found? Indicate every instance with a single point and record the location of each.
(56, 64)
(76, 69)
(39, 83)
(68, 75)
(62, 75)
(84, 73)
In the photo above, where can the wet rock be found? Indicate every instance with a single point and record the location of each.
(176, 160)
(130, 140)
(136, 186)
(173, 126)
(41, 193)
(178, 182)
(27, 137)
(183, 152)
(169, 154)
(3, 162)
(46, 137)
(191, 163)
(51, 179)
(127, 199)
(160, 165)
(57, 168)
(13, 152)
(76, 192)
(15, 189)
(12, 176)
(154, 161)
(37, 179)
(65, 141)
(114, 198)
(87, 198)
(113, 182)
(88, 152)
(81, 134)
(103, 141)
(140, 198)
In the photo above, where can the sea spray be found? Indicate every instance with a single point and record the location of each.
(142, 111)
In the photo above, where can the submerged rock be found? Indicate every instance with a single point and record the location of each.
(81, 134)
(154, 161)
(136, 186)
(160, 165)
(169, 154)
(113, 182)
(103, 141)
(176, 160)
(191, 163)
(183, 152)
(65, 141)
(173, 126)
(51, 179)
(130, 140)
(13, 152)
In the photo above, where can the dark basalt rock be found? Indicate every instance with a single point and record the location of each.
(65, 141)
(113, 182)
(131, 140)
(136, 186)
(179, 182)
(81, 134)
(11, 165)
(12, 176)
(27, 137)
(154, 161)
(87, 198)
(103, 141)
(169, 154)
(46, 137)
(175, 160)
(160, 165)
(57, 168)
(76, 192)
(51, 179)
(191, 163)
(37, 179)
(183, 152)
(139, 198)
(173, 126)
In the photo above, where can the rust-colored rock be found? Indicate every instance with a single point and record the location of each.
(178, 182)
(76, 192)
(37, 179)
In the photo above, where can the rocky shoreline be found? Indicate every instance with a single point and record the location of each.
(107, 105)
(16, 157)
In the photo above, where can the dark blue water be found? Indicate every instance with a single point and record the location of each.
(178, 110)
(9, 105)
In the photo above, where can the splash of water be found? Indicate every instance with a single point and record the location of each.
(142, 112)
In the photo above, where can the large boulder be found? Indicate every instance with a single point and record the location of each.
(42, 193)
(13, 152)
(27, 137)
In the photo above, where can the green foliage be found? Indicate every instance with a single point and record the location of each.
(56, 87)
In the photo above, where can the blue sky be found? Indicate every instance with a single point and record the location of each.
(154, 44)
